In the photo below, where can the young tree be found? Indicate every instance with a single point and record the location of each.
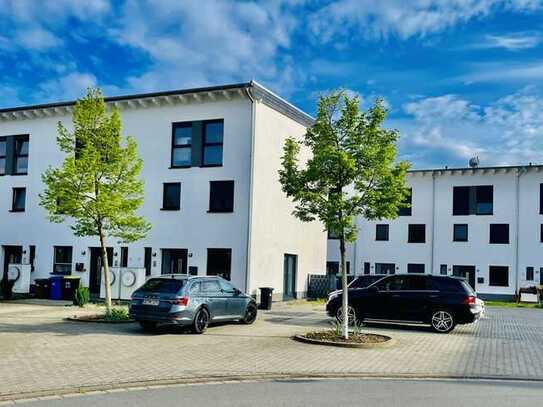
(98, 185)
(352, 171)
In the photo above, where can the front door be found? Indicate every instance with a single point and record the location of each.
(290, 264)
(467, 272)
(96, 263)
(174, 261)
(12, 255)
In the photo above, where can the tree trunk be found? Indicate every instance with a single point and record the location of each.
(345, 306)
(107, 284)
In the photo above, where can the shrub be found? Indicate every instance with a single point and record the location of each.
(81, 296)
(117, 314)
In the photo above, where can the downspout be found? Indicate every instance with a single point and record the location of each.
(250, 206)
(433, 222)
(520, 172)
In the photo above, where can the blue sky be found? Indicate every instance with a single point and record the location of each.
(461, 77)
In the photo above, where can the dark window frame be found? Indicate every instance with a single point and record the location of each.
(385, 268)
(541, 233)
(443, 270)
(215, 252)
(4, 156)
(16, 156)
(213, 207)
(541, 199)
(55, 262)
(467, 200)
(493, 236)
(206, 144)
(492, 279)
(411, 233)
(382, 232)
(165, 186)
(175, 146)
(15, 191)
(530, 271)
(124, 256)
(414, 266)
(457, 238)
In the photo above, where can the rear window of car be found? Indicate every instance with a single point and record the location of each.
(163, 285)
(448, 284)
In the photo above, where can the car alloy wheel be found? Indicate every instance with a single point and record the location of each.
(350, 312)
(250, 314)
(201, 321)
(442, 321)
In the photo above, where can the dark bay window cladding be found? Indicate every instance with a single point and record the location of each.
(19, 200)
(171, 198)
(221, 196)
(381, 232)
(62, 263)
(333, 268)
(197, 144)
(499, 233)
(406, 210)
(473, 200)
(460, 233)
(385, 268)
(414, 268)
(529, 273)
(124, 256)
(498, 276)
(14, 155)
(219, 262)
(540, 197)
(417, 234)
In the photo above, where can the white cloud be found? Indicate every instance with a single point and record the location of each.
(503, 72)
(511, 42)
(37, 39)
(68, 87)
(381, 19)
(449, 130)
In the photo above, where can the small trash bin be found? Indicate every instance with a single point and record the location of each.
(69, 285)
(42, 288)
(55, 287)
(266, 298)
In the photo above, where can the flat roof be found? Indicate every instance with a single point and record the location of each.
(496, 168)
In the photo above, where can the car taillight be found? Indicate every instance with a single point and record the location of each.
(180, 301)
(470, 300)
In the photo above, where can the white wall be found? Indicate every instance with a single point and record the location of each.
(275, 231)
(191, 228)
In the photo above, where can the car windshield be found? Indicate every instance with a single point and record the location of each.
(163, 285)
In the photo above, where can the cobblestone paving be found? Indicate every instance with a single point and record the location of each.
(39, 351)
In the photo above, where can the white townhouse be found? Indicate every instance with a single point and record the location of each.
(212, 195)
(482, 223)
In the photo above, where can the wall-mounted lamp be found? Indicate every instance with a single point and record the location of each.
(190, 254)
(154, 254)
(115, 254)
(24, 251)
(83, 253)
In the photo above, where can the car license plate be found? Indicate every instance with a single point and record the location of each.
(150, 301)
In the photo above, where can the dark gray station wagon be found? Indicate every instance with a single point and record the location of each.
(190, 301)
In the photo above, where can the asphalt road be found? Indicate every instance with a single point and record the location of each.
(347, 392)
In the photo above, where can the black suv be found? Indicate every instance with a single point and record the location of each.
(443, 302)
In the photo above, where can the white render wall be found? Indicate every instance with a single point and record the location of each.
(275, 231)
(477, 251)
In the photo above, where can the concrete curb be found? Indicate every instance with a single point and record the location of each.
(13, 398)
(376, 345)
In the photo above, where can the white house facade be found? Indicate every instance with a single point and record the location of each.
(212, 195)
(483, 223)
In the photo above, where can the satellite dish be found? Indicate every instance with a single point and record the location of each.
(474, 162)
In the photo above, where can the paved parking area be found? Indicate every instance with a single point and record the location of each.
(39, 351)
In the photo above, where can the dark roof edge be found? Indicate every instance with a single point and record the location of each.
(497, 167)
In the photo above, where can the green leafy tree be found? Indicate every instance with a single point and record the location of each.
(352, 171)
(98, 187)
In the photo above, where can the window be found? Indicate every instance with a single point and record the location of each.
(498, 276)
(124, 256)
(163, 285)
(20, 164)
(210, 287)
(417, 234)
(385, 268)
(19, 200)
(381, 232)
(540, 197)
(213, 143)
(499, 233)
(3, 155)
(413, 268)
(473, 200)
(366, 268)
(182, 145)
(171, 198)
(406, 210)
(417, 283)
(219, 262)
(62, 260)
(443, 269)
(541, 233)
(221, 196)
(32, 257)
(460, 233)
(529, 273)
(148, 254)
(332, 268)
